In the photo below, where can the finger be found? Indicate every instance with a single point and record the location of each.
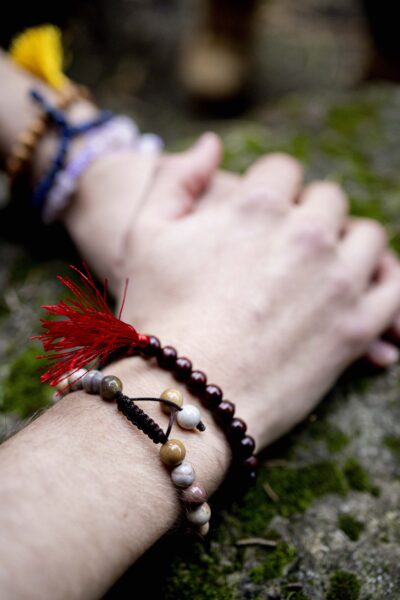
(183, 178)
(381, 302)
(382, 354)
(221, 189)
(271, 184)
(362, 248)
(325, 202)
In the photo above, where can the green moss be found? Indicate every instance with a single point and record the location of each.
(198, 576)
(22, 267)
(346, 118)
(22, 391)
(296, 487)
(393, 443)
(274, 563)
(351, 526)
(334, 438)
(357, 477)
(343, 586)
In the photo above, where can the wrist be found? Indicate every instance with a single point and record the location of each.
(224, 363)
(99, 485)
(209, 451)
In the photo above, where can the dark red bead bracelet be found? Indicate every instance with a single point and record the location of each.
(211, 396)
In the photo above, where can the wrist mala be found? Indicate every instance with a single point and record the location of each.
(21, 154)
(210, 395)
(82, 330)
(172, 452)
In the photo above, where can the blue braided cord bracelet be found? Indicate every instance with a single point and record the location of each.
(67, 133)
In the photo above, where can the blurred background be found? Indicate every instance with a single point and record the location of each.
(176, 63)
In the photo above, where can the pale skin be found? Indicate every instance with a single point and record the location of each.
(265, 284)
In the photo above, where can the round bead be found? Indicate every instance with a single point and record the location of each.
(204, 529)
(167, 357)
(38, 127)
(183, 368)
(91, 381)
(189, 417)
(28, 139)
(224, 412)
(62, 386)
(75, 380)
(212, 395)
(197, 381)
(183, 475)
(199, 516)
(248, 478)
(56, 397)
(153, 347)
(251, 463)
(237, 429)
(171, 395)
(109, 386)
(245, 447)
(172, 453)
(195, 494)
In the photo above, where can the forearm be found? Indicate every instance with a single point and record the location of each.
(85, 493)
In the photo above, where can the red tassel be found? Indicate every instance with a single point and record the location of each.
(88, 330)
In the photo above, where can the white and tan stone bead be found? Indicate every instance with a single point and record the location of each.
(200, 515)
(183, 475)
(189, 417)
(75, 379)
(91, 381)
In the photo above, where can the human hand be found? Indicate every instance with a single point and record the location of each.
(272, 290)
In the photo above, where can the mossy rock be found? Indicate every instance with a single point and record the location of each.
(340, 461)
(333, 465)
(343, 586)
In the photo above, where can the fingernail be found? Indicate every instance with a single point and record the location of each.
(383, 354)
(205, 138)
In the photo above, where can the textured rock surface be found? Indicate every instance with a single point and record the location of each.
(326, 510)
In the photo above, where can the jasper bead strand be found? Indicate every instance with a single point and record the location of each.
(211, 395)
(172, 451)
(193, 495)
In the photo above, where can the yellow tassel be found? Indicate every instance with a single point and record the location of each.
(39, 51)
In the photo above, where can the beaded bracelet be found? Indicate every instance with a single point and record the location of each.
(118, 134)
(172, 451)
(23, 150)
(86, 330)
(211, 396)
(67, 133)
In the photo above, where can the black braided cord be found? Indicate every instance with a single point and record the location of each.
(140, 419)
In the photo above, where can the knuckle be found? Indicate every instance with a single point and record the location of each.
(342, 285)
(313, 237)
(331, 190)
(280, 161)
(376, 229)
(260, 199)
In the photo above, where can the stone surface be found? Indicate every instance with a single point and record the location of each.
(343, 461)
